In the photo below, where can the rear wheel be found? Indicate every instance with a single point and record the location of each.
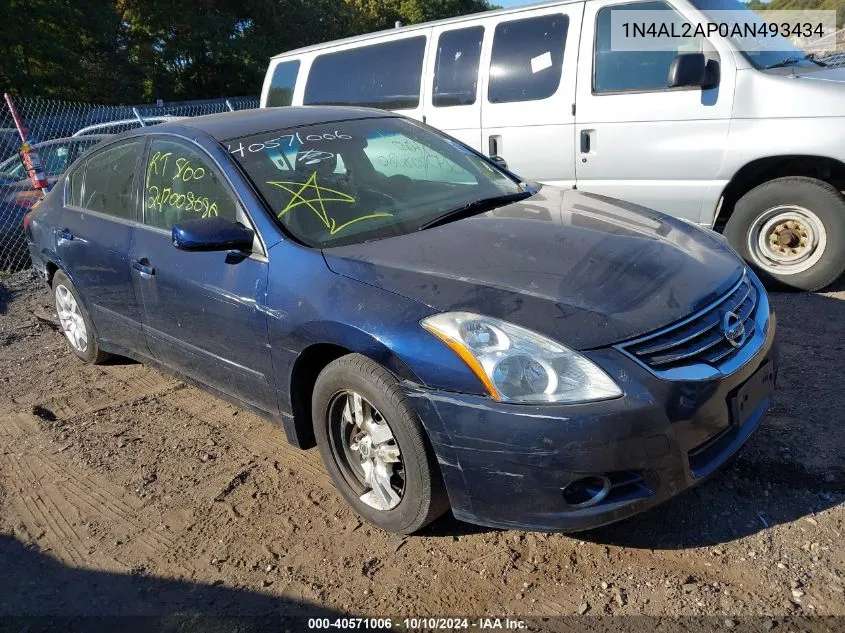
(75, 322)
(374, 447)
(792, 230)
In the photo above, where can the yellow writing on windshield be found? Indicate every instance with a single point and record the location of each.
(319, 195)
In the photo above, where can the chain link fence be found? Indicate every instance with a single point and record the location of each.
(62, 131)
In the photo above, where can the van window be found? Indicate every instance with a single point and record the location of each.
(283, 83)
(632, 71)
(385, 75)
(527, 58)
(108, 179)
(456, 68)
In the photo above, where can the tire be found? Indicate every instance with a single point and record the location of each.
(415, 479)
(70, 319)
(806, 219)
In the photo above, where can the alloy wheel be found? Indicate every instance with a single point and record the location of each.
(71, 319)
(366, 451)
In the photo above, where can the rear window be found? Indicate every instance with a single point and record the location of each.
(385, 75)
(527, 58)
(283, 83)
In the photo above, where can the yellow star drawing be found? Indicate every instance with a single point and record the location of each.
(317, 202)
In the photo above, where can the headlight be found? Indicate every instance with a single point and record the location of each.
(518, 365)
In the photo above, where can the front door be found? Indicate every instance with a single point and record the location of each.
(529, 91)
(638, 140)
(204, 312)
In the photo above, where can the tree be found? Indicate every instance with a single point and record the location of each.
(119, 51)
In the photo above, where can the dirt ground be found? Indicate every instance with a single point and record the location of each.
(122, 490)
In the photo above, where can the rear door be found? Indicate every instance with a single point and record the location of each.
(528, 92)
(452, 86)
(94, 239)
(204, 312)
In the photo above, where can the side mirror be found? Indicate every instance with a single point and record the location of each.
(501, 162)
(212, 234)
(688, 70)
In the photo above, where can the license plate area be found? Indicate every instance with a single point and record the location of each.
(751, 393)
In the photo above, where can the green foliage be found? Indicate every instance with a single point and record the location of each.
(122, 51)
(815, 5)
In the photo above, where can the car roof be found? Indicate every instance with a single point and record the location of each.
(228, 125)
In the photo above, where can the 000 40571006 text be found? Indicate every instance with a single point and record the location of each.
(161, 196)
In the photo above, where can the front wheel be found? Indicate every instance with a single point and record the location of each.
(374, 447)
(792, 231)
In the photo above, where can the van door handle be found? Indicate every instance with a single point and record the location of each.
(493, 145)
(587, 141)
(65, 234)
(146, 271)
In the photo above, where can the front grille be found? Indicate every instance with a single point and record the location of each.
(699, 339)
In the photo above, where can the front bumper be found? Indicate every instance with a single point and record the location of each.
(507, 465)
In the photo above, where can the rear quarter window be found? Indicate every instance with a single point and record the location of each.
(384, 75)
(283, 83)
(73, 193)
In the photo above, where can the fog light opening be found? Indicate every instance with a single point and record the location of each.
(587, 491)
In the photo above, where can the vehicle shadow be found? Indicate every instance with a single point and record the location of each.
(39, 593)
(792, 467)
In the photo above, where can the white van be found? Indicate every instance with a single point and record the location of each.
(751, 144)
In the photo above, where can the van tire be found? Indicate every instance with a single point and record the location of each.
(422, 497)
(792, 232)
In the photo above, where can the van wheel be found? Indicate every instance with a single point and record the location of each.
(792, 231)
(75, 321)
(374, 446)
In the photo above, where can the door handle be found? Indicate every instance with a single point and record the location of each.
(144, 269)
(65, 234)
(493, 145)
(587, 138)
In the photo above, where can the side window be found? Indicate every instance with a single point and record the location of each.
(527, 58)
(283, 83)
(456, 68)
(181, 183)
(75, 186)
(636, 71)
(108, 179)
(385, 75)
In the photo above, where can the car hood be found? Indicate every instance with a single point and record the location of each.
(779, 94)
(583, 269)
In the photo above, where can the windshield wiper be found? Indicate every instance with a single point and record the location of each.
(791, 61)
(476, 207)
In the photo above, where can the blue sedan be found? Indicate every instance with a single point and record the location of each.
(447, 334)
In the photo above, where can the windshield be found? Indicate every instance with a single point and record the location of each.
(352, 181)
(766, 52)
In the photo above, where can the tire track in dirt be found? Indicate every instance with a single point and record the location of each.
(50, 490)
(259, 436)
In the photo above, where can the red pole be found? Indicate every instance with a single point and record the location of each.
(28, 153)
(22, 131)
